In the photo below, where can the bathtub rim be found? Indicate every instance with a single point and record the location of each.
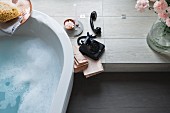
(59, 104)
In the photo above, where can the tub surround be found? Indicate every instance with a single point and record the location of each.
(125, 39)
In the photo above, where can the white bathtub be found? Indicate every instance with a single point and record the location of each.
(44, 26)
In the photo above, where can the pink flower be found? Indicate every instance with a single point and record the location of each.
(163, 15)
(160, 6)
(141, 5)
(168, 22)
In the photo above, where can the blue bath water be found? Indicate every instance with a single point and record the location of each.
(29, 74)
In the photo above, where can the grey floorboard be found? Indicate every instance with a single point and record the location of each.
(121, 93)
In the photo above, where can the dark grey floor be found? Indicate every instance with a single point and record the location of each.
(121, 93)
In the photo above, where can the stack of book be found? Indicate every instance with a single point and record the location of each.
(80, 62)
(86, 65)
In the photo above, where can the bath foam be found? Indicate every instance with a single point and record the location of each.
(31, 72)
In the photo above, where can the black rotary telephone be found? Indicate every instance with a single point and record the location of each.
(89, 46)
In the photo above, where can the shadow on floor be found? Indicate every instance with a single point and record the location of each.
(121, 93)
